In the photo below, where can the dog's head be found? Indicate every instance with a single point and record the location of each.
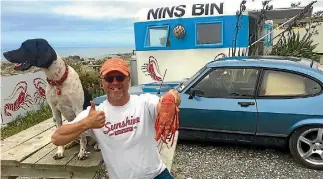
(32, 52)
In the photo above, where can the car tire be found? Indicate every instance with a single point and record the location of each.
(295, 145)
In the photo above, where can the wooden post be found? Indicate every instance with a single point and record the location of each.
(260, 46)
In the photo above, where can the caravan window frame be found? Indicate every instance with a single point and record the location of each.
(211, 45)
(147, 36)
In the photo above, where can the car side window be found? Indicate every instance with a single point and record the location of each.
(224, 82)
(279, 83)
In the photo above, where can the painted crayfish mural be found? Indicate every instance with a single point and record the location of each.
(23, 96)
(152, 69)
(39, 95)
(23, 99)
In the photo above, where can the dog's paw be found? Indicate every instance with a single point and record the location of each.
(82, 155)
(96, 147)
(59, 154)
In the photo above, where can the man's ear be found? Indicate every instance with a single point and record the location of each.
(101, 81)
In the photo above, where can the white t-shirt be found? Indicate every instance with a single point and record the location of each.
(127, 140)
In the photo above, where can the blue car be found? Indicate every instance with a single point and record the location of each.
(265, 100)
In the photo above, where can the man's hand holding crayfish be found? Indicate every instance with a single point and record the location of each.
(176, 95)
(167, 115)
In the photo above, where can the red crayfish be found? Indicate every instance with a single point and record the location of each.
(167, 123)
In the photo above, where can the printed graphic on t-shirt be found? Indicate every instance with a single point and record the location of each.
(122, 127)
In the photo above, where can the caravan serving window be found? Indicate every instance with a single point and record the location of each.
(210, 33)
(157, 36)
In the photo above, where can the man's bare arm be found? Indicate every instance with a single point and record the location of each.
(68, 132)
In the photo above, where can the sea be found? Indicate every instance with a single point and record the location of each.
(85, 52)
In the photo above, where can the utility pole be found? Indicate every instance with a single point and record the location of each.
(261, 22)
(260, 45)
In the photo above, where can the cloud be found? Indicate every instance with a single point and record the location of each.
(21, 20)
(122, 9)
(39, 15)
(34, 6)
(92, 11)
(101, 9)
(84, 22)
(50, 22)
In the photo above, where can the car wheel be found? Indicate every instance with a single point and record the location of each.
(306, 145)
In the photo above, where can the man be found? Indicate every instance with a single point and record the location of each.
(123, 126)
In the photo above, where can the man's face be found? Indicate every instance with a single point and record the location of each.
(116, 85)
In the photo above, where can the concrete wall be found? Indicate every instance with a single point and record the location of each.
(20, 94)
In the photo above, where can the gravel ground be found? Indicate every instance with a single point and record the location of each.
(193, 160)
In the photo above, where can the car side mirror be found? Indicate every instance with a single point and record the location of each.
(194, 92)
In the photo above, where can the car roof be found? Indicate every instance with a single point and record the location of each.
(293, 63)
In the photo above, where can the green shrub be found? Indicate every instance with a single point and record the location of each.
(21, 123)
(89, 76)
(296, 46)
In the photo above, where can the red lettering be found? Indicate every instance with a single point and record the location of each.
(123, 126)
(122, 131)
(116, 132)
(114, 127)
(106, 125)
(128, 122)
(119, 125)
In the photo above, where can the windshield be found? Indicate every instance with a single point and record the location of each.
(187, 82)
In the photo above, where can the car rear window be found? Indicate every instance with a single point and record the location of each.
(279, 83)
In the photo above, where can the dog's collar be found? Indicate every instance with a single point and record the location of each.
(60, 81)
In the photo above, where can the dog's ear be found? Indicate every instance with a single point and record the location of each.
(38, 52)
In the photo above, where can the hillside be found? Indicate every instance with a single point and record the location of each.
(7, 68)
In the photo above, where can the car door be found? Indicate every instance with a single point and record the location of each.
(223, 106)
(284, 99)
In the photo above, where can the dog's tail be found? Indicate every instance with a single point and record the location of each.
(87, 98)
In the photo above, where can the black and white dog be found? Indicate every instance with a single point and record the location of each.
(64, 92)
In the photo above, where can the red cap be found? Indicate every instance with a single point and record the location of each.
(115, 64)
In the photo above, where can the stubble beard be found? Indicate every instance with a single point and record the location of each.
(115, 97)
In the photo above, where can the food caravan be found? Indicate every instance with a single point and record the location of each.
(180, 39)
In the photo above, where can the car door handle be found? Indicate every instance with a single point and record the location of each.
(246, 104)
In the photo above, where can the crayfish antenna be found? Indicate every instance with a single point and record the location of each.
(173, 138)
(167, 146)
(161, 143)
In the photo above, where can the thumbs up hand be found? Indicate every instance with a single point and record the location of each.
(95, 119)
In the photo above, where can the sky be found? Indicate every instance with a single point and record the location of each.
(84, 23)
